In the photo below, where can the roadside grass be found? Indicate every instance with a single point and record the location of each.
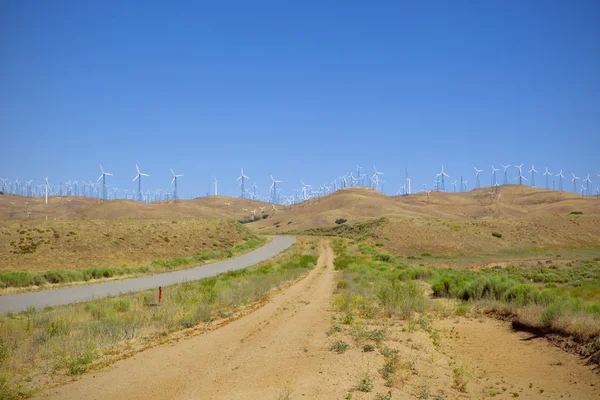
(22, 279)
(552, 297)
(72, 339)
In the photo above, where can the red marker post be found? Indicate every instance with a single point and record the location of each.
(159, 294)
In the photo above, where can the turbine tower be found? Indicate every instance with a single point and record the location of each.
(532, 171)
(359, 176)
(575, 178)
(274, 189)
(103, 177)
(477, 182)
(216, 183)
(442, 174)
(241, 179)
(46, 189)
(560, 178)
(376, 178)
(505, 174)
(139, 178)
(587, 184)
(547, 174)
(494, 179)
(174, 181)
(407, 179)
(520, 177)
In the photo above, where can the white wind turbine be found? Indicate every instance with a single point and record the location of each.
(174, 181)
(274, 189)
(3, 184)
(103, 177)
(575, 178)
(442, 174)
(376, 178)
(532, 171)
(454, 184)
(241, 179)
(587, 184)
(47, 187)
(139, 178)
(216, 184)
(560, 178)
(477, 182)
(547, 174)
(304, 193)
(494, 178)
(520, 177)
(505, 174)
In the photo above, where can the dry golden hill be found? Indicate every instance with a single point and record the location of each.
(18, 207)
(355, 204)
(37, 245)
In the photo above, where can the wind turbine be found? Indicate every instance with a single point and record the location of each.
(547, 174)
(407, 178)
(304, 186)
(520, 177)
(454, 184)
(359, 176)
(103, 177)
(494, 180)
(575, 178)
(46, 180)
(216, 183)
(505, 175)
(560, 178)
(376, 178)
(442, 174)
(241, 179)
(587, 184)
(139, 178)
(174, 181)
(477, 182)
(533, 172)
(3, 184)
(274, 188)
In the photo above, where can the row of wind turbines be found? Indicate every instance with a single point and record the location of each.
(303, 192)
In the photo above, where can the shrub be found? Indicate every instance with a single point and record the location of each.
(400, 298)
(496, 234)
(365, 385)
(368, 347)
(576, 213)
(340, 221)
(339, 346)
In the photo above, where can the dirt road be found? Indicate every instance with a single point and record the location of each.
(281, 346)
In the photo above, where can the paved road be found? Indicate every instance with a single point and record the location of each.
(20, 302)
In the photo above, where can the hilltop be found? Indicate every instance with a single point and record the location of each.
(93, 208)
(356, 204)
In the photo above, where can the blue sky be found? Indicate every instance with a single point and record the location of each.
(301, 90)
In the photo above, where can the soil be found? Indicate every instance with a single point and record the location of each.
(281, 351)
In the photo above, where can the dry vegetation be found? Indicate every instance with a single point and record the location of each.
(69, 244)
(39, 346)
(391, 311)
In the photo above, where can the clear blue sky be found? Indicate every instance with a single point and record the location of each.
(302, 90)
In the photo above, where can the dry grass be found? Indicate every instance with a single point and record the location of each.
(68, 244)
(38, 345)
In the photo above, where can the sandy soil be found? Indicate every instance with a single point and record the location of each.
(282, 348)
(502, 362)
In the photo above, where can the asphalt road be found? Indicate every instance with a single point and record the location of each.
(20, 302)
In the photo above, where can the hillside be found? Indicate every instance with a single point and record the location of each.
(15, 207)
(72, 243)
(355, 204)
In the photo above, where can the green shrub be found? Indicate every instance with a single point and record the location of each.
(339, 346)
(496, 234)
(340, 221)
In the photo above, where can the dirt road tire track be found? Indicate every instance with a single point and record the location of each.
(283, 345)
